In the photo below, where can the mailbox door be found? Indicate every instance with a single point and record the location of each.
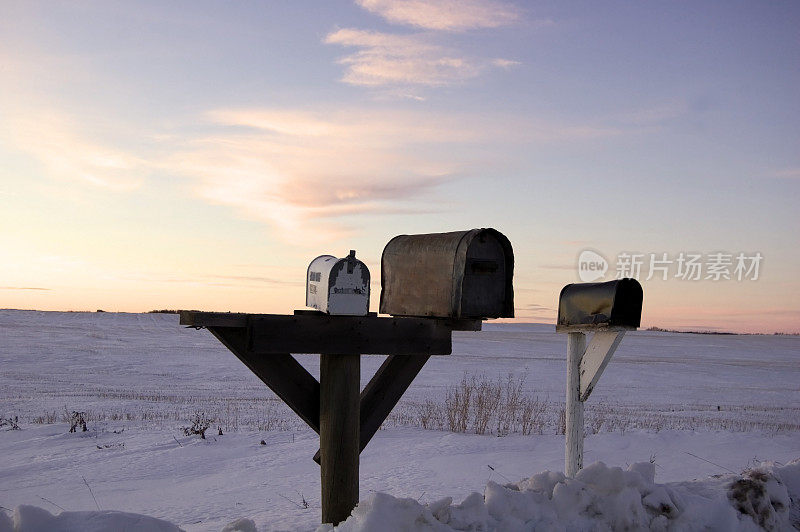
(348, 290)
(484, 285)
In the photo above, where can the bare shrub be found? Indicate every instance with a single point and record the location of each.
(77, 419)
(562, 420)
(47, 418)
(430, 415)
(11, 423)
(200, 425)
(512, 404)
(596, 418)
(457, 403)
(484, 406)
(619, 423)
(532, 415)
(487, 396)
(473, 403)
(231, 416)
(272, 418)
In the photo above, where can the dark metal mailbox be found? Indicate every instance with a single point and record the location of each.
(463, 274)
(590, 305)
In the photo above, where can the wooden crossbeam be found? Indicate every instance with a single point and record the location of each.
(323, 334)
(384, 390)
(356, 335)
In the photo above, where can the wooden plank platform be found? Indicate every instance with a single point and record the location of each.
(193, 318)
(319, 333)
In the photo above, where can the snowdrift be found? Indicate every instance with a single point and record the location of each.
(599, 498)
(34, 519)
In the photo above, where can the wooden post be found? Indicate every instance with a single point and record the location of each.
(339, 424)
(573, 460)
(383, 391)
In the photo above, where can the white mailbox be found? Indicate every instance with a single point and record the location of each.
(338, 286)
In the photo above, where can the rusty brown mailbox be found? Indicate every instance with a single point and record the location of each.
(462, 275)
(591, 305)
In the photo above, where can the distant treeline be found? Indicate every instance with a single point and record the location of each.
(165, 311)
(660, 329)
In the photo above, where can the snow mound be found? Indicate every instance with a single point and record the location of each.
(34, 519)
(599, 498)
(241, 525)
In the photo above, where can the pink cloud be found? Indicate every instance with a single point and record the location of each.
(447, 15)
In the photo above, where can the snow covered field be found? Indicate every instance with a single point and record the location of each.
(696, 405)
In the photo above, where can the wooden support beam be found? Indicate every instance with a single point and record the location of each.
(339, 435)
(383, 392)
(336, 335)
(597, 356)
(280, 372)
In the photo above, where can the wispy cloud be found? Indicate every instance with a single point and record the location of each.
(788, 173)
(290, 168)
(23, 288)
(385, 59)
(557, 266)
(505, 63)
(447, 15)
(530, 290)
(420, 59)
(209, 280)
(306, 174)
(257, 279)
(70, 146)
(55, 139)
(380, 128)
(534, 307)
(656, 114)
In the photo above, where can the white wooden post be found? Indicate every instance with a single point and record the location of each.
(573, 460)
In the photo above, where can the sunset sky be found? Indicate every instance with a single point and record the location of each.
(201, 154)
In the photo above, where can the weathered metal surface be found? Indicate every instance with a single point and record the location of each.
(462, 274)
(338, 286)
(614, 304)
